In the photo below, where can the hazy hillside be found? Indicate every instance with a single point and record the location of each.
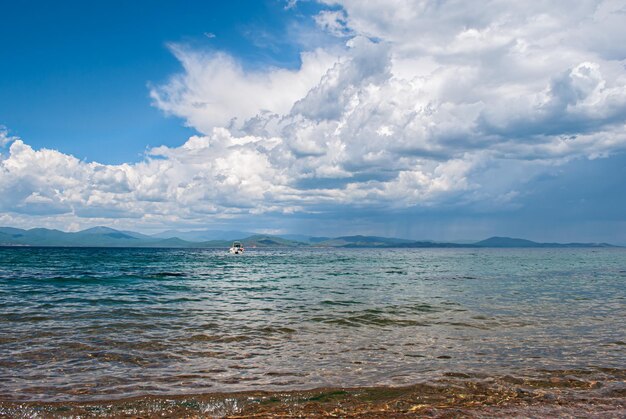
(362, 241)
(97, 237)
(204, 235)
(108, 237)
(513, 242)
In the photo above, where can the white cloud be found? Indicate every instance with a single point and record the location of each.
(425, 99)
(5, 138)
(334, 22)
(216, 90)
(290, 4)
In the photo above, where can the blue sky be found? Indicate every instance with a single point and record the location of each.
(435, 120)
(78, 73)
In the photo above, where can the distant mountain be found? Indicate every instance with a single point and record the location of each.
(98, 237)
(250, 242)
(270, 241)
(362, 241)
(99, 233)
(108, 237)
(11, 231)
(303, 238)
(204, 235)
(384, 242)
(137, 235)
(432, 245)
(506, 242)
(513, 242)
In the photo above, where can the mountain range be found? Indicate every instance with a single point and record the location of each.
(108, 237)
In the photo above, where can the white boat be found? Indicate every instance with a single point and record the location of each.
(236, 248)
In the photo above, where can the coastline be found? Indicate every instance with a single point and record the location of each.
(558, 393)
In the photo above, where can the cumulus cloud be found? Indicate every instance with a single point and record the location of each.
(429, 104)
(215, 89)
(334, 22)
(5, 138)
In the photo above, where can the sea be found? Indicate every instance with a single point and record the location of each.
(206, 332)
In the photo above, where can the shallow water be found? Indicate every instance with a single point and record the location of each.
(89, 324)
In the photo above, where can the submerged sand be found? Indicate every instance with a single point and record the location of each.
(556, 394)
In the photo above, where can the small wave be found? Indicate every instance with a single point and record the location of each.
(339, 302)
(166, 275)
(218, 338)
(368, 319)
(455, 394)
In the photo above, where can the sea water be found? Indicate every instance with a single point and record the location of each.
(94, 323)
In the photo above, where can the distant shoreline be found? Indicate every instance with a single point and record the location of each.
(211, 239)
(469, 247)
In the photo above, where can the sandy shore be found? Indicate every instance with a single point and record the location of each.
(559, 394)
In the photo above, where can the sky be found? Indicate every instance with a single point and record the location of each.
(443, 120)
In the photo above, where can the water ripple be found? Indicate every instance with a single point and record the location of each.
(82, 323)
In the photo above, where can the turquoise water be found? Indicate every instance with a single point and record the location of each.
(80, 324)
